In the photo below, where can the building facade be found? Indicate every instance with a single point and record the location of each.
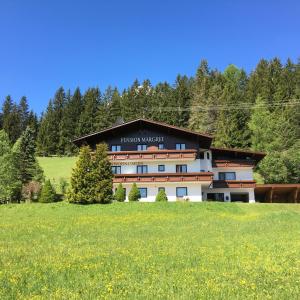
(158, 156)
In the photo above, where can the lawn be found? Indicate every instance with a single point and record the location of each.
(150, 251)
(56, 168)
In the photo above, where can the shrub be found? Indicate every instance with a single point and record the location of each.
(120, 194)
(91, 180)
(63, 185)
(31, 191)
(48, 193)
(134, 194)
(161, 196)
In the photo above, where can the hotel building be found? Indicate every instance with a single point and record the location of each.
(158, 156)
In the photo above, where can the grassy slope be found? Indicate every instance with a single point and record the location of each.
(150, 250)
(57, 167)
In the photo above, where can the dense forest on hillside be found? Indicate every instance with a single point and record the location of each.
(258, 111)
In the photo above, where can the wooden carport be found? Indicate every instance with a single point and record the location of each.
(277, 193)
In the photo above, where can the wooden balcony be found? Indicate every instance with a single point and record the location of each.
(234, 184)
(149, 155)
(164, 177)
(233, 163)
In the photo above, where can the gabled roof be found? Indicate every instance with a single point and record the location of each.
(238, 153)
(204, 137)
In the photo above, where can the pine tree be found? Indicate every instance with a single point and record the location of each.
(134, 194)
(24, 113)
(48, 193)
(120, 194)
(82, 179)
(182, 99)
(161, 196)
(232, 129)
(201, 87)
(102, 173)
(114, 108)
(10, 185)
(27, 164)
(91, 100)
(69, 122)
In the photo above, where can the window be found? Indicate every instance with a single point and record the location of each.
(143, 192)
(180, 146)
(181, 168)
(181, 192)
(161, 189)
(115, 148)
(161, 168)
(215, 196)
(201, 155)
(141, 147)
(141, 169)
(161, 146)
(227, 176)
(207, 155)
(116, 169)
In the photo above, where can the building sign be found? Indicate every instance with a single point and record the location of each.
(129, 163)
(146, 139)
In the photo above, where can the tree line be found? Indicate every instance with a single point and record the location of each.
(258, 111)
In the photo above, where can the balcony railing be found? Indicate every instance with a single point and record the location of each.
(234, 184)
(153, 155)
(232, 163)
(164, 177)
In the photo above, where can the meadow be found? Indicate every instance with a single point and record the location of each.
(150, 251)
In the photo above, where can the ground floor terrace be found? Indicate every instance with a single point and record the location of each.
(190, 191)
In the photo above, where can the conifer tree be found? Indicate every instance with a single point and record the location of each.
(91, 100)
(120, 194)
(161, 196)
(69, 122)
(24, 113)
(102, 173)
(10, 184)
(25, 160)
(134, 194)
(48, 193)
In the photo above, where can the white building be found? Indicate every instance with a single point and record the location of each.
(159, 156)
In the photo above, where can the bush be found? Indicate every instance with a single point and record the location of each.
(161, 196)
(120, 194)
(134, 194)
(48, 193)
(63, 185)
(31, 191)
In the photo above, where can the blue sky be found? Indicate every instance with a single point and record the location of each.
(48, 44)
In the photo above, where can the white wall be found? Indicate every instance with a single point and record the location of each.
(241, 173)
(194, 190)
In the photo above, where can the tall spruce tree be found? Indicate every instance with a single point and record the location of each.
(24, 113)
(25, 159)
(91, 100)
(232, 129)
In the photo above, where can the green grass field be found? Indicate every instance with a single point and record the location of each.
(150, 251)
(57, 167)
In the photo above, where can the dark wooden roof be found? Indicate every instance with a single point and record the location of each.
(205, 138)
(221, 153)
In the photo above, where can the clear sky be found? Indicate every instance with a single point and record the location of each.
(48, 44)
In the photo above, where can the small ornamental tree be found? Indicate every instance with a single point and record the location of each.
(103, 176)
(82, 180)
(134, 194)
(120, 194)
(91, 180)
(48, 193)
(161, 196)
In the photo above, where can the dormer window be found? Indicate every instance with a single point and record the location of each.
(115, 148)
(161, 146)
(141, 147)
(180, 146)
(207, 155)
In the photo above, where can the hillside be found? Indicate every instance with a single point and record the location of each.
(149, 251)
(57, 167)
